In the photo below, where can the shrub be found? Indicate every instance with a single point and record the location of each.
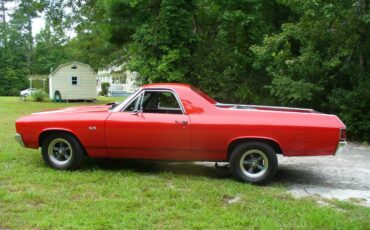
(39, 95)
(12, 92)
(104, 88)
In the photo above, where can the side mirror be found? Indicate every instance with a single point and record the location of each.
(136, 112)
(112, 105)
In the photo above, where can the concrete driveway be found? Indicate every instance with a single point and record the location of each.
(344, 177)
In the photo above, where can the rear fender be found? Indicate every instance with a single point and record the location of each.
(270, 141)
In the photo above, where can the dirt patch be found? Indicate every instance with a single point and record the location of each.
(231, 199)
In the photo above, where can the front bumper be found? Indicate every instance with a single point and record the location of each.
(19, 139)
(340, 147)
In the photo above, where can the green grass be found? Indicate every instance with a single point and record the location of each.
(144, 195)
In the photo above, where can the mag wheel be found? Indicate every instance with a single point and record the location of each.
(253, 162)
(62, 151)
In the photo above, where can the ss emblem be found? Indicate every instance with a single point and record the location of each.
(92, 128)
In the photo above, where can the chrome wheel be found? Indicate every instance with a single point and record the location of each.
(60, 152)
(254, 163)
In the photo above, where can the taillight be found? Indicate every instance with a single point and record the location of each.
(343, 134)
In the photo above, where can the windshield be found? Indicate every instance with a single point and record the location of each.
(124, 102)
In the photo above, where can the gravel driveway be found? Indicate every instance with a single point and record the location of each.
(344, 176)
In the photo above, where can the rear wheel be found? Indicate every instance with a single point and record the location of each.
(253, 162)
(62, 151)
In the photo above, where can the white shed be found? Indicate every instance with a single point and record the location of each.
(73, 81)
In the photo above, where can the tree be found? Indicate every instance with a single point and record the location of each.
(13, 65)
(205, 43)
(320, 60)
(22, 21)
(49, 51)
(4, 24)
(223, 60)
(91, 41)
(12, 56)
(158, 36)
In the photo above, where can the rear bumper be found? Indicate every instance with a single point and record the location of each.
(340, 147)
(19, 139)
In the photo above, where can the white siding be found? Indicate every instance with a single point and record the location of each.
(128, 86)
(61, 80)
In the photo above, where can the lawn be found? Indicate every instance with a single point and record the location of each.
(144, 195)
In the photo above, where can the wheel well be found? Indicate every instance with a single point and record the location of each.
(236, 142)
(48, 132)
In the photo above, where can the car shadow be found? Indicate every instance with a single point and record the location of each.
(285, 175)
(299, 176)
(155, 167)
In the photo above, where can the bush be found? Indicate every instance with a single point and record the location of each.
(12, 92)
(104, 88)
(39, 95)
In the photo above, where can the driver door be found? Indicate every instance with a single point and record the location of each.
(152, 126)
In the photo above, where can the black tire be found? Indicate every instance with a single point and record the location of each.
(57, 96)
(62, 151)
(253, 162)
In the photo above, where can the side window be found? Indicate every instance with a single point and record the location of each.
(160, 102)
(74, 80)
(134, 105)
(155, 102)
(167, 100)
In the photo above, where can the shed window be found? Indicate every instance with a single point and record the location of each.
(75, 80)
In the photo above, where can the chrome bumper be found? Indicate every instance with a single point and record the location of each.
(340, 147)
(19, 139)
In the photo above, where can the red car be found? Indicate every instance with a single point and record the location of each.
(180, 123)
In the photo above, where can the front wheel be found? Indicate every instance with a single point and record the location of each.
(253, 162)
(62, 151)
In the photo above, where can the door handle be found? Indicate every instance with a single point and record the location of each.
(181, 122)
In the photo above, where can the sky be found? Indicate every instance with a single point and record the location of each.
(37, 24)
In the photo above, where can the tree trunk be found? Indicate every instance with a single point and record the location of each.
(363, 30)
(195, 24)
(3, 14)
(30, 45)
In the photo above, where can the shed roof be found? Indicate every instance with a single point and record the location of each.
(69, 63)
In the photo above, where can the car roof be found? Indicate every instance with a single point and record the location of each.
(166, 85)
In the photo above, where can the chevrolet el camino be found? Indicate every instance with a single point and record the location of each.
(178, 122)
